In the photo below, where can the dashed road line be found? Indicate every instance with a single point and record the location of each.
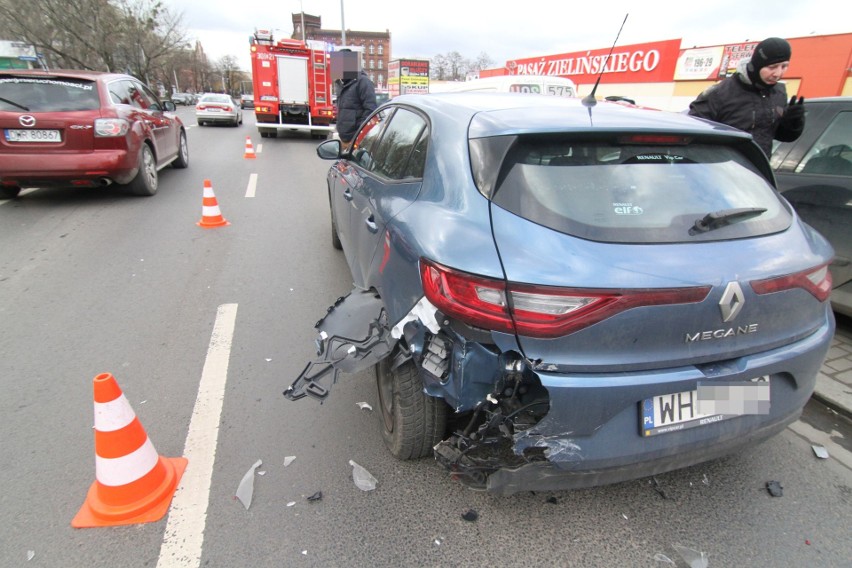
(252, 185)
(184, 536)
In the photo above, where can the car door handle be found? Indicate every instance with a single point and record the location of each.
(371, 224)
(347, 194)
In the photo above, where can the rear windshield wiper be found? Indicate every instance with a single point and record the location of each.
(13, 103)
(723, 218)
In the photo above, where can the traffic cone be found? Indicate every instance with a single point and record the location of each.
(211, 216)
(250, 155)
(133, 484)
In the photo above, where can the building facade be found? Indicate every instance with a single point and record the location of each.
(375, 47)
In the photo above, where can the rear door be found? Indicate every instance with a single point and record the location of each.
(292, 80)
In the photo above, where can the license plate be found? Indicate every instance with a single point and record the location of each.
(16, 135)
(711, 402)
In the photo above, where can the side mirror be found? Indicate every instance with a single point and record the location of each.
(329, 149)
(169, 106)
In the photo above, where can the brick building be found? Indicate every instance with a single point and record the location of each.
(375, 46)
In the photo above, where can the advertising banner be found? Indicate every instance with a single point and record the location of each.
(640, 63)
(711, 63)
(408, 77)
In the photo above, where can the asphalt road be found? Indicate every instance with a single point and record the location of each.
(98, 281)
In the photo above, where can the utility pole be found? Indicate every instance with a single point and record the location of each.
(342, 26)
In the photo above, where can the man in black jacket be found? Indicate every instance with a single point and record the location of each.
(753, 99)
(356, 97)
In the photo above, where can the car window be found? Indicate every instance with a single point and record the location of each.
(609, 192)
(362, 148)
(150, 99)
(223, 99)
(417, 161)
(397, 143)
(832, 153)
(47, 94)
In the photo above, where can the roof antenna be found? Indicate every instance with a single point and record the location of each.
(590, 100)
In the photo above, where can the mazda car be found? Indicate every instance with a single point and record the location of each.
(557, 293)
(85, 129)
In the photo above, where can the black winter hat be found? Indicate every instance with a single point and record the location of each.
(769, 52)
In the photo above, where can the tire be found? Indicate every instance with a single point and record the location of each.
(9, 191)
(146, 181)
(412, 421)
(182, 159)
(264, 134)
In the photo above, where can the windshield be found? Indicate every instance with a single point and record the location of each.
(612, 192)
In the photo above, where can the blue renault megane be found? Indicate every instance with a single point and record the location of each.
(587, 293)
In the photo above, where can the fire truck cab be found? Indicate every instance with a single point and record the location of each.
(292, 85)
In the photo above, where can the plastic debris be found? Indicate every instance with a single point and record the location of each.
(774, 488)
(663, 558)
(315, 497)
(694, 558)
(625, 517)
(268, 359)
(820, 452)
(30, 555)
(288, 460)
(291, 503)
(470, 515)
(245, 491)
(439, 541)
(305, 552)
(808, 542)
(364, 406)
(706, 480)
(261, 472)
(659, 488)
(552, 500)
(362, 478)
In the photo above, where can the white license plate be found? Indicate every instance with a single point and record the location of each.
(17, 135)
(711, 402)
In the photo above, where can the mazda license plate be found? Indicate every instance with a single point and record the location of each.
(19, 135)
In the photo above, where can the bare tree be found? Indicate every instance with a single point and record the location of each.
(481, 62)
(438, 67)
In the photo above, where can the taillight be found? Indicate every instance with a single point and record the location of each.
(816, 280)
(111, 127)
(536, 311)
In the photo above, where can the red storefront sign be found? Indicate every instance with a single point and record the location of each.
(640, 63)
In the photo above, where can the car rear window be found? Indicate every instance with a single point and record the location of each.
(31, 94)
(610, 191)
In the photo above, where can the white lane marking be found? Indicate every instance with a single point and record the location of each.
(259, 149)
(184, 534)
(252, 185)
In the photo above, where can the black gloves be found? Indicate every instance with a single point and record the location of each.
(795, 110)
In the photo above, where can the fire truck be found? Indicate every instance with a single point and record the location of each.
(292, 85)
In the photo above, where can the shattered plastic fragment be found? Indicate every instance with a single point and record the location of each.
(820, 452)
(625, 517)
(364, 406)
(261, 472)
(305, 552)
(438, 541)
(315, 497)
(659, 488)
(30, 555)
(774, 488)
(246, 487)
(694, 558)
(552, 500)
(470, 516)
(288, 460)
(268, 359)
(663, 558)
(362, 478)
(291, 503)
(705, 481)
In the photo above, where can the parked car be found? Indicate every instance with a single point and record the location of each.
(85, 129)
(815, 174)
(185, 99)
(247, 101)
(217, 108)
(589, 294)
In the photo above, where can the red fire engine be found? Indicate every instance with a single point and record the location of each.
(292, 86)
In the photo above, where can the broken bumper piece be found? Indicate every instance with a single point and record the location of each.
(353, 336)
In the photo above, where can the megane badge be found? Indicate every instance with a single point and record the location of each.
(27, 120)
(732, 301)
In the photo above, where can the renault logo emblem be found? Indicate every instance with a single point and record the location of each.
(732, 302)
(27, 120)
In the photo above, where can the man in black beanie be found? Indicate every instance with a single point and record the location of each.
(753, 99)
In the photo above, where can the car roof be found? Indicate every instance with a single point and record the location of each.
(66, 73)
(500, 114)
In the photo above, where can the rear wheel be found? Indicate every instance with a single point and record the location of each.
(9, 191)
(146, 180)
(412, 421)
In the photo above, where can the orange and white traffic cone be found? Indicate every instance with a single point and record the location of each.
(211, 216)
(249, 150)
(133, 484)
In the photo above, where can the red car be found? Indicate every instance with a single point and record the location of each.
(85, 129)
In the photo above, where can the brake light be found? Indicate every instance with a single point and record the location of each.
(111, 127)
(816, 280)
(664, 139)
(536, 311)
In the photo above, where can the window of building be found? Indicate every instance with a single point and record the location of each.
(372, 64)
(372, 49)
(381, 49)
(381, 64)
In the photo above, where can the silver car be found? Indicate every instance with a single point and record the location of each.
(214, 108)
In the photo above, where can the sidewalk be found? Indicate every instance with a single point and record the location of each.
(834, 381)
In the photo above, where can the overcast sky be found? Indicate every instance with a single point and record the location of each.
(514, 30)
